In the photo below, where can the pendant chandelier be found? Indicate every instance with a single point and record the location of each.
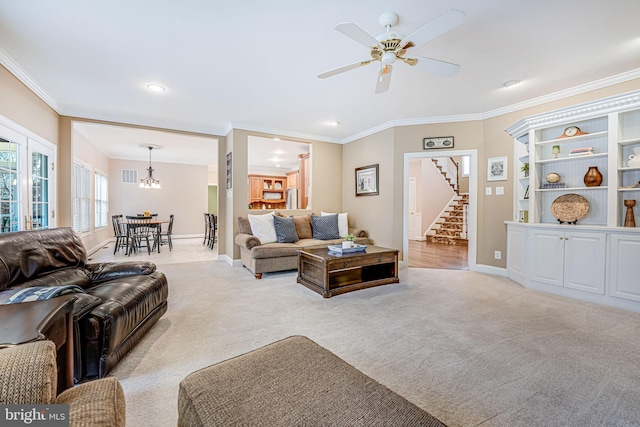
(150, 181)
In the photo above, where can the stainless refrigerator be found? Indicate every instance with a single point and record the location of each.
(292, 198)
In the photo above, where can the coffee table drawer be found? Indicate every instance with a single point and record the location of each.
(354, 262)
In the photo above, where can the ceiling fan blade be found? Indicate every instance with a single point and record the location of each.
(356, 33)
(433, 29)
(384, 78)
(343, 69)
(441, 68)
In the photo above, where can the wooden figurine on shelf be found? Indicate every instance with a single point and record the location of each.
(629, 219)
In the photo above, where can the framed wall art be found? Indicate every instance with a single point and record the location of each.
(497, 169)
(430, 143)
(367, 180)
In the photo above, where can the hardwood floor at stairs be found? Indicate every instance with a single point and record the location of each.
(437, 255)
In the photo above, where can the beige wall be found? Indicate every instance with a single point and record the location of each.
(20, 105)
(376, 214)
(381, 215)
(487, 136)
(325, 177)
(184, 193)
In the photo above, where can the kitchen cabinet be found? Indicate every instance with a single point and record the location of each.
(268, 191)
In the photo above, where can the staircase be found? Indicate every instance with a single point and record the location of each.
(450, 228)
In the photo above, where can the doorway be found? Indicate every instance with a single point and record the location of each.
(27, 193)
(421, 251)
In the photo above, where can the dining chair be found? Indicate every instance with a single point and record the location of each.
(207, 228)
(120, 233)
(214, 230)
(167, 234)
(139, 231)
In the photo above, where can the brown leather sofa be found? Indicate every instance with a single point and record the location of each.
(118, 303)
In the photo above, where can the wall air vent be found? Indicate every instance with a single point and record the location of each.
(129, 176)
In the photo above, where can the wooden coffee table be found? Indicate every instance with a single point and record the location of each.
(331, 274)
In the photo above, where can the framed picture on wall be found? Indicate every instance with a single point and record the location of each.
(497, 169)
(367, 180)
(228, 171)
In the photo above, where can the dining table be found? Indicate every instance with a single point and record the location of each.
(154, 222)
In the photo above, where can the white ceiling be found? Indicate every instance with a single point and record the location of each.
(254, 64)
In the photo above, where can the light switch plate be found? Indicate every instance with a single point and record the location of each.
(487, 191)
(499, 191)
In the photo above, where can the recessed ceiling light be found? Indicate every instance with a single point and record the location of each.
(511, 83)
(276, 139)
(155, 87)
(334, 123)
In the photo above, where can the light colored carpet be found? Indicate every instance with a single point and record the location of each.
(469, 348)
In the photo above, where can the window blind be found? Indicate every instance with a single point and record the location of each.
(101, 199)
(81, 198)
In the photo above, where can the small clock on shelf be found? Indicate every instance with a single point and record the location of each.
(572, 131)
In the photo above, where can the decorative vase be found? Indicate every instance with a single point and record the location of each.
(347, 244)
(593, 177)
(629, 219)
(634, 159)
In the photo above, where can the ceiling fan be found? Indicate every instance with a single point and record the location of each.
(391, 46)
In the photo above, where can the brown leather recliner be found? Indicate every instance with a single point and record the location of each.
(120, 303)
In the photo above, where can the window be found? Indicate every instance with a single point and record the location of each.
(81, 198)
(101, 199)
(9, 200)
(466, 165)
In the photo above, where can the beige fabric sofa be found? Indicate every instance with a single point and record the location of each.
(28, 376)
(271, 257)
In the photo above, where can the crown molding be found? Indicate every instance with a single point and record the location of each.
(411, 122)
(555, 96)
(282, 132)
(565, 93)
(26, 79)
(575, 113)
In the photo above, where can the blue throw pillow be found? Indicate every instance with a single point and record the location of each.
(325, 227)
(285, 229)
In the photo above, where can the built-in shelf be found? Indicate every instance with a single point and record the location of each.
(572, 158)
(572, 139)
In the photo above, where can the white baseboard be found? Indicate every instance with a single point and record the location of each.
(101, 245)
(489, 269)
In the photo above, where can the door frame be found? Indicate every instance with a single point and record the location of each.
(473, 199)
(26, 140)
(48, 149)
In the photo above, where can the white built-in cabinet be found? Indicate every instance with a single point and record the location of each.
(624, 266)
(571, 259)
(597, 259)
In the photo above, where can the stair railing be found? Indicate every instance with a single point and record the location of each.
(453, 169)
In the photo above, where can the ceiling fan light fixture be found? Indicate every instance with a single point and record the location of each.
(388, 58)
